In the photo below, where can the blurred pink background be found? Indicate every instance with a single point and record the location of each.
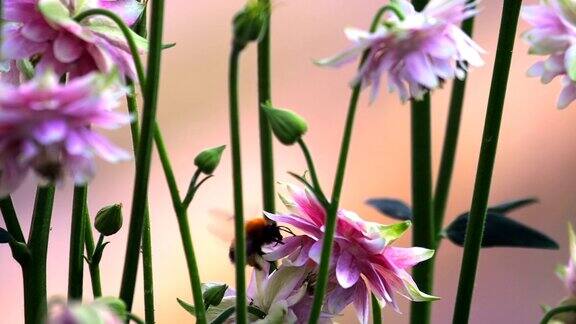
(535, 158)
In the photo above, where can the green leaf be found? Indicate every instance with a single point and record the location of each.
(393, 208)
(501, 231)
(5, 237)
(509, 206)
(168, 46)
(213, 295)
(188, 307)
(572, 242)
(115, 34)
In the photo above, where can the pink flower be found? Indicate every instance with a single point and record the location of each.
(105, 310)
(46, 29)
(553, 34)
(568, 273)
(49, 127)
(418, 53)
(362, 255)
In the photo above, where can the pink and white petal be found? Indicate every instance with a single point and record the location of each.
(298, 222)
(38, 31)
(362, 303)
(67, 47)
(419, 68)
(104, 148)
(407, 257)
(347, 272)
(129, 10)
(290, 245)
(50, 131)
(568, 93)
(17, 47)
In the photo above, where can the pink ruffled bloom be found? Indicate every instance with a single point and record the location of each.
(96, 312)
(46, 30)
(49, 127)
(417, 53)
(553, 34)
(362, 255)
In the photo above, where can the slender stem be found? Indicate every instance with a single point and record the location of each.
(184, 228)
(77, 229)
(11, 219)
(34, 272)
(240, 243)
(143, 161)
(311, 168)
(264, 95)
(558, 310)
(449, 147)
(330, 226)
(376, 311)
(488, 148)
(191, 189)
(94, 268)
(423, 220)
(127, 34)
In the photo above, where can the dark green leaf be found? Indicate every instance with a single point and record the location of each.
(393, 208)
(224, 316)
(501, 231)
(5, 237)
(511, 205)
(189, 308)
(167, 46)
(97, 256)
(213, 295)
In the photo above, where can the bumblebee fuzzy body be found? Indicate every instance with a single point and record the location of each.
(259, 232)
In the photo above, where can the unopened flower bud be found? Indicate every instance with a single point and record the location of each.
(208, 160)
(250, 23)
(214, 294)
(109, 220)
(288, 127)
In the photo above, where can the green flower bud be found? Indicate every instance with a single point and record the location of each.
(287, 126)
(208, 160)
(213, 294)
(109, 220)
(250, 23)
(115, 305)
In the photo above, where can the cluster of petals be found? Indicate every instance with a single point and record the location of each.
(49, 127)
(82, 314)
(553, 34)
(363, 259)
(45, 32)
(417, 51)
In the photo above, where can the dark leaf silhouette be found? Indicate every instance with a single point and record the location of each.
(511, 205)
(393, 208)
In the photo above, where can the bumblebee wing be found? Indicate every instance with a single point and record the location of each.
(221, 224)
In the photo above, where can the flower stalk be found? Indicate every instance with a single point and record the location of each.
(423, 218)
(555, 311)
(449, 146)
(328, 240)
(264, 96)
(93, 267)
(77, 232)
(240, 241)
(475, 228)
(143, 158)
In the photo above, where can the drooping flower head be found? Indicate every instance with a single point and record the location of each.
(45, 31)
(363, 259)
(49, 128)
(553, 34)
(568, 272)
(417, 52)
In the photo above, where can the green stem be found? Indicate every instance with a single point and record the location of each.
(94, 268)
(311, 169)
(376, 311)
(184, 227)
(449, 147)
(240, 243)
(264, 95)
(330, 226)
(143, 161)
(191, 189)
(492, 123)
(77, 229)
(11, 219)
(34, 272)
(423, 220)
(558, 310)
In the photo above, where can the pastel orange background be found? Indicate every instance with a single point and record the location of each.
(536, 157)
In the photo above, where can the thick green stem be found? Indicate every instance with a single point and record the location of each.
(34, 272)
(264, 95)
(143, 161)
(376, 311)
(330, 227)
(423, 220)
(240, 242)
(184, 227)
(77, 230)
(449, 147)
(475, 228)
(94, 268)
(558, 310)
